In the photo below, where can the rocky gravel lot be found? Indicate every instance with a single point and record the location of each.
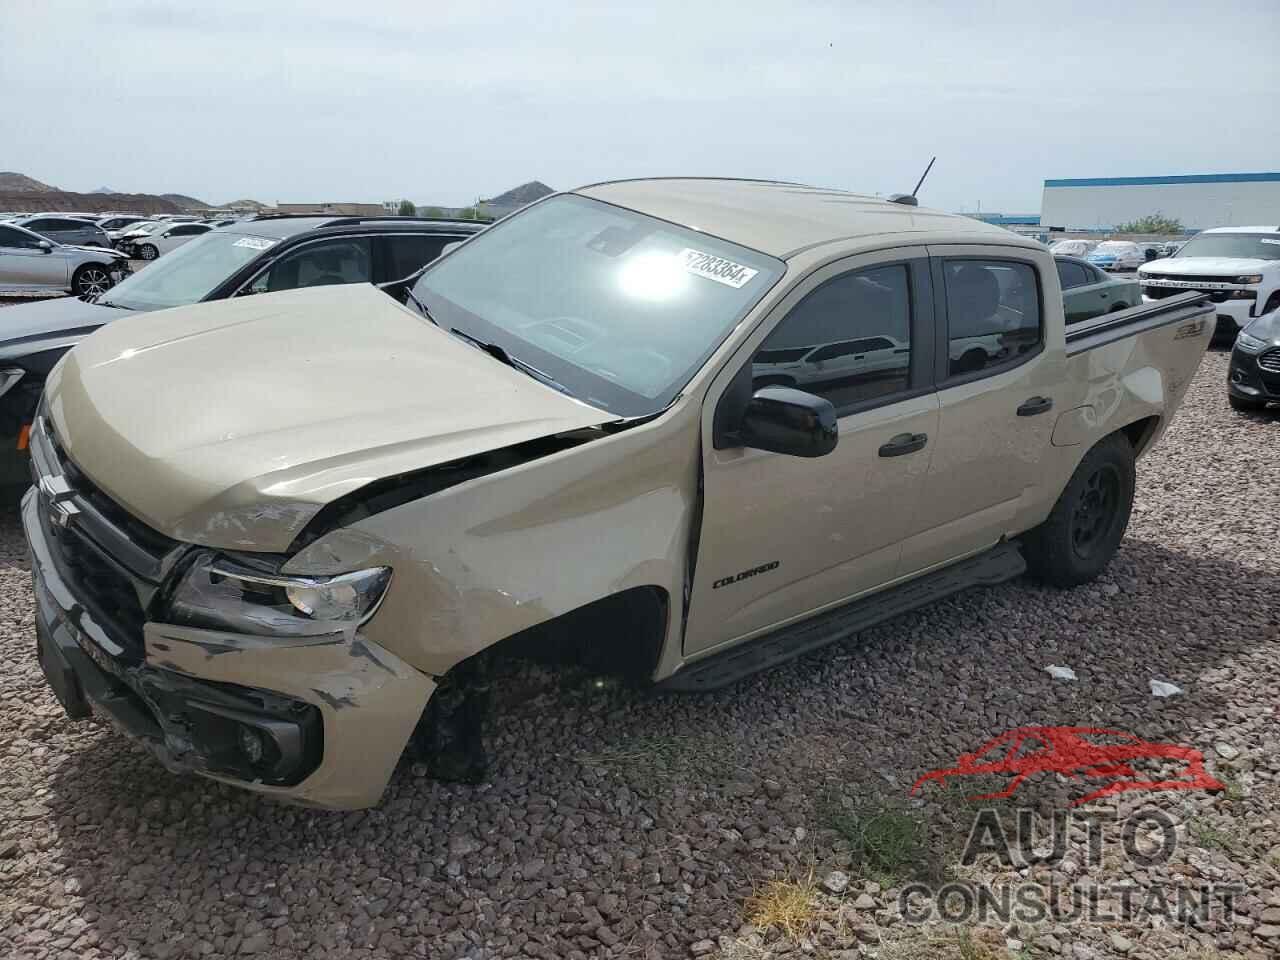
(766, 820)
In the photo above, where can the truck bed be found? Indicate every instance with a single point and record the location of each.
(1110, 327)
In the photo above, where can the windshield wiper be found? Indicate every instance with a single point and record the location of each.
(107, 303)
(501, 355)
(422, 307)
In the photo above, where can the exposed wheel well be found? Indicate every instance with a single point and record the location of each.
(619, 634)
(1140, 432)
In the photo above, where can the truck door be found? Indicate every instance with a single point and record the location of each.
(999, 368)
(783, 536)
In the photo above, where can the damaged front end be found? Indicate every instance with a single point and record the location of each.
(218, 664)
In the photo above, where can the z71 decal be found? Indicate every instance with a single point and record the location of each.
(716, 268)
(745, 575)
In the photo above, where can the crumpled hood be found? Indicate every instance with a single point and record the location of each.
(1208, 266)
(31, 327)
(230, 424)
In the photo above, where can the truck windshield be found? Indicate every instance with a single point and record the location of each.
(1244, 246)
(619, 308)
(187, 274)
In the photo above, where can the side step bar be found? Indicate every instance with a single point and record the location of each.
(1000, 563)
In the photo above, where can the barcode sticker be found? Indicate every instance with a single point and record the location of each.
(255, 243)
(716, 268)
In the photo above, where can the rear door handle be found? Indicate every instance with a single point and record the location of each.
(903, 444)
(1035, 405)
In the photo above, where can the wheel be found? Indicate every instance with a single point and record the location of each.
(1245, 404)
(91, 280)
(1117, 307)
(969, 362)
(148, 251)
(1083, 531)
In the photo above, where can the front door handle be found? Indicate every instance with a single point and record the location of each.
(903, 444)
(1035, 405)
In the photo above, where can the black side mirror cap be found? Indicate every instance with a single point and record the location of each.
(789, 421)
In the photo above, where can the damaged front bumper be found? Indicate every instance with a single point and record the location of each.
(314, 720)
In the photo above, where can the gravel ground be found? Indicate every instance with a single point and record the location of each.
(623, 823)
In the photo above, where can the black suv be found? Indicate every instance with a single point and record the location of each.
(259, 255)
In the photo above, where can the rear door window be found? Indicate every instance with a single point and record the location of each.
(405, 253)
(1071, 275)
(993, 314)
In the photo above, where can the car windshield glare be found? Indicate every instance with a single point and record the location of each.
(189, 273)
(619, 308)
(1238, 246)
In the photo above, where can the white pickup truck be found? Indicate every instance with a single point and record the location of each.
(1238, 267)
(279, 538)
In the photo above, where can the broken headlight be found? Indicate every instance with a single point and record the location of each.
(222, 595)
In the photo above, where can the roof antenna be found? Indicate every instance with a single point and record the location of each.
(909, 199)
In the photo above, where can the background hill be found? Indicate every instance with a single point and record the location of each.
(11, 182)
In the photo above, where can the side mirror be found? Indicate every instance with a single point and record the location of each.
(45, 246)
(789, 421)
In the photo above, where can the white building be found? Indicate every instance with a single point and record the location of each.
(1200, 201)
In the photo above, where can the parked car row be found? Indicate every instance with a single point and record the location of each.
(254, 256)
(109, 230)
(1115, 255)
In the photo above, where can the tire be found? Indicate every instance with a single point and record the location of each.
(1117, 307)
(90, 280)
(1245, 404)
(1083, 532)
(148, 251)
(970, 362)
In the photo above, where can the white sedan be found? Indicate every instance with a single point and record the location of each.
(1071, 248)
(159, 238)
(1117, 255)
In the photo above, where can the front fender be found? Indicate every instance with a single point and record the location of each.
(479, 562)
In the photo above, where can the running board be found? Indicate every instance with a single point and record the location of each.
(1000, 563)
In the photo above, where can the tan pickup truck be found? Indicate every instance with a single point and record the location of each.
(680, 429)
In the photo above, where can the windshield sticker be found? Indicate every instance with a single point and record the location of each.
(255, 243)
(1269, 240)
(716, 268)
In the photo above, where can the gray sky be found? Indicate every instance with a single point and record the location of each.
(442, 102)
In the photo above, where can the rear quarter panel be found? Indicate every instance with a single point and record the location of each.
(1118, 384)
